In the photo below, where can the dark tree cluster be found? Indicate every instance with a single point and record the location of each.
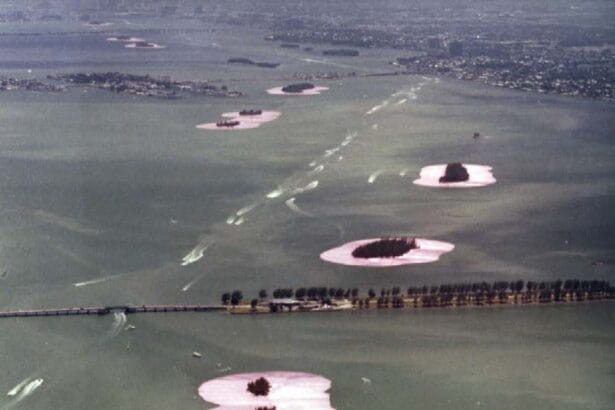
(455, 172)
(235, 297)
(250, 112)
(259, 387)
(385, 248)
(297, 88)
(314, 293)
(227, 123)
(341, 52)
(247, 61)
(447, 294)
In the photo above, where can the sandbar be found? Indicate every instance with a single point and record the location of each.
(311, 91)
(480, 175)
(428, 251)
(289, 391)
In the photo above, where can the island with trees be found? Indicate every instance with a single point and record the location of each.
(341, 52)
(142, 85)
(297, 87)
(247, 61)
(455, 172)
(259, 387)
(385, 248)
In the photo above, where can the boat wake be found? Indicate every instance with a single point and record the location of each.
(119, 322)
(188, 285)
(92, 282)
(195, 254)
(23, 390)
(290, 203)
(374, 176)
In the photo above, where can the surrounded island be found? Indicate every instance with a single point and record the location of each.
(455, 175)
(227, 123)
(455, 172)
(250, 112)
(244, 119)
(298, 87)
(303, 88)
(387, 252)
(268, 390)
(385, 248)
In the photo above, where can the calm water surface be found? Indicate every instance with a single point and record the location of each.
(115, 189)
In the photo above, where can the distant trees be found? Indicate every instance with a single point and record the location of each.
(263, 294)
(226, 297)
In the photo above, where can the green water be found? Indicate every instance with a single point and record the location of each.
(100, 186)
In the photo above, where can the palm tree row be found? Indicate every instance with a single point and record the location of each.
(445, 294)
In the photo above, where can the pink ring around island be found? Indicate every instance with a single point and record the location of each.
(243, 125)
(289, 391)
(428, 251)
(311, 91)
(480, 175)
(265, 116)
(150, 46)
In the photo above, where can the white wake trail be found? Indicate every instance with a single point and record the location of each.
(28, 390)
(92, 282)
(19, 386)
(246, 209)
(195, 254)
(119, 322)
(308, 187)
(293, 206)
(372, 178)
(188, 285)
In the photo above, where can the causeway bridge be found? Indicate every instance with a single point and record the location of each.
(105, 310)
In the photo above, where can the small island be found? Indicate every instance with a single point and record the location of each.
(455, 175)
(455, 172)
(387, 252)
(259, 387)
(227, 123)
(385, 248)
(342, 52)
(268, 390)
(250, 112)
(298, 87)
(247, 61)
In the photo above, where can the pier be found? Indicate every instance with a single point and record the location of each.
(105, 310)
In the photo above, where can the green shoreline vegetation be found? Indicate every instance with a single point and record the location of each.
(445, 295)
